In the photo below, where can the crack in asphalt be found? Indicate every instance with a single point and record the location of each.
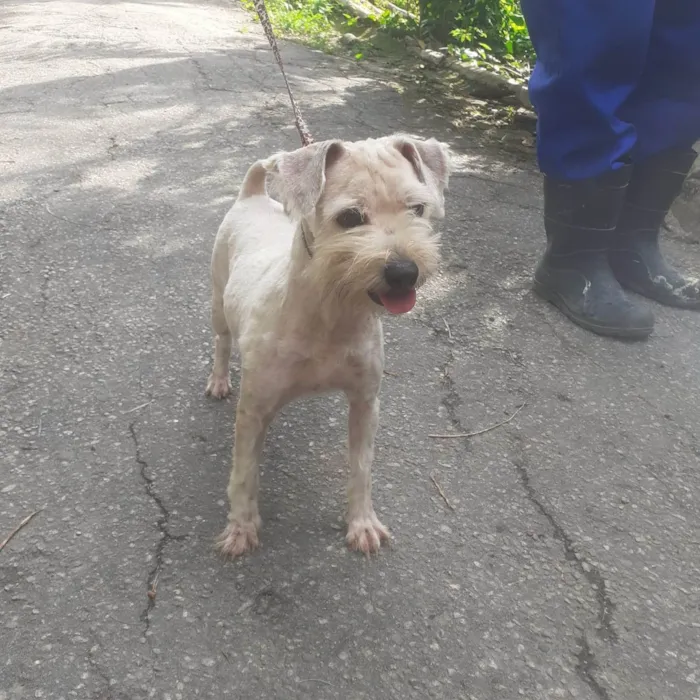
(112, 148)
(104, 675)
(586, 666)
(163, 527)
(44, 290)
(201, 72)
(586, 663)
(451, 400)
(606, 607)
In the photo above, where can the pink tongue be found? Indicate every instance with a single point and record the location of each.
(399, 303)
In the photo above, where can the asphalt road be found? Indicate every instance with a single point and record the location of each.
(567, 563)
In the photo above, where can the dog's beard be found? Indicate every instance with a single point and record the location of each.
(348, 267)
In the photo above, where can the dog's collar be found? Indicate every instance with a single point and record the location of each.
(303, 238)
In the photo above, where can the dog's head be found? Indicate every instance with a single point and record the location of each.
(367, 209)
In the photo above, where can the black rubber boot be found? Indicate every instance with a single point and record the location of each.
(575, 274)
(636, 259)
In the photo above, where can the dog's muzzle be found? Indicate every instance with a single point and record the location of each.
(400, 277)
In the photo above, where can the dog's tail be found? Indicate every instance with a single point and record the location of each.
(254, 180)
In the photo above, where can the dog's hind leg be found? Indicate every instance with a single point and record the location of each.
(219, 384)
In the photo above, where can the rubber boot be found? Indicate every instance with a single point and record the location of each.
(636, 258)
(575, 274)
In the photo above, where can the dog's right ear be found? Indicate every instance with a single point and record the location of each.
(302, 175)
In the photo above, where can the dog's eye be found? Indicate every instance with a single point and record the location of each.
(350, 218)
(418, 209)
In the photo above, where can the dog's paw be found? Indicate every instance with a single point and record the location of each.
(366, 534)
(218, 387)
(238, 538)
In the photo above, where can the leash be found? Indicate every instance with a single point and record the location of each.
(306, 138)
(260, 8)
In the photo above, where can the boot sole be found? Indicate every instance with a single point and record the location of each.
(609, 331)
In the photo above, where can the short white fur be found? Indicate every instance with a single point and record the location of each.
(307, 324)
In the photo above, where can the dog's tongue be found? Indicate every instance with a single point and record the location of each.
(399, 303)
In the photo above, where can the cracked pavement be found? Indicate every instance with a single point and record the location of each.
(565, 562)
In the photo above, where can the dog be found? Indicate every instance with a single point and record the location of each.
(301, 283)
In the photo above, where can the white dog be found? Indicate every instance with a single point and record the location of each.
(301, 288)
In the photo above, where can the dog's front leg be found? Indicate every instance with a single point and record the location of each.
(365, 532)
(252, 422)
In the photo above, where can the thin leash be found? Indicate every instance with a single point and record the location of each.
(260, 8)
(306, 138)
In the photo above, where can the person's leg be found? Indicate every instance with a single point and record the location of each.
(665, 109)
(591, 53)
(590, 57)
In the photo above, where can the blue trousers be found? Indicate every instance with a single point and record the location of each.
(614, 80)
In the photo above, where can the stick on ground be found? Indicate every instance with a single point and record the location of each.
(138, 408)
(18, 528)
(441, 492)
(480, 432)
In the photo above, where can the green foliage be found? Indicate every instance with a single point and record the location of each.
(493, 28)
(316, 21)
(487, 31)
(397, 24)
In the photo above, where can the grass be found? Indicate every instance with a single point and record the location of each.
(317, 23)
(488, 33)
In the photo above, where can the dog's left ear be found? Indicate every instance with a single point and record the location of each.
(431, 162)
(302, 175)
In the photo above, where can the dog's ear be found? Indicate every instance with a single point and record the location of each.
(302, 175)
(430, 159)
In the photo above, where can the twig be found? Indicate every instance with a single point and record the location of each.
(38, 432)
(120, 621)
(400, 11)
(441, 492)
(447, 326)
(360, 9)
(18, 528)
(313, 680)
(480, 432)
(62, 218)
(138, 408)
(390, 374)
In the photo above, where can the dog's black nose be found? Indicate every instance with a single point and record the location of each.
(401, 274)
